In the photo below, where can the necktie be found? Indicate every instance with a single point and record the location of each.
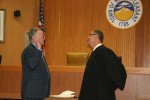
(45, 63)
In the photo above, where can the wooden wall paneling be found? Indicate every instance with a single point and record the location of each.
(52, 31)
(15, 28)
(143, 88)
(0, 4)
(129, 93)
(70, 78)
(146, 28)
(10, 24)
(69, 24)
(15, 36)
(10, 81)
(30, 14)
(143, 38)
(3, 46)
(147, 31)
(136, 88)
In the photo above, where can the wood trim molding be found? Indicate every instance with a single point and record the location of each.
(60, 68)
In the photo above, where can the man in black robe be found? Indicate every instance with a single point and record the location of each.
(104, 73)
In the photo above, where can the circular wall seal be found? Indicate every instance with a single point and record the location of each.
(124, 14)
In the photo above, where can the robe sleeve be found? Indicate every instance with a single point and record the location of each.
(114, 69)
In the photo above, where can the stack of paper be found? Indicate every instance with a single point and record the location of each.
(65, 94)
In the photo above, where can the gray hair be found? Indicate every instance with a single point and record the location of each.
(32, 32)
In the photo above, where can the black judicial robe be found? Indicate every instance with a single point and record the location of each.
(103, 75)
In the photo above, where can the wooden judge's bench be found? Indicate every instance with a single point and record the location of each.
(70, 78)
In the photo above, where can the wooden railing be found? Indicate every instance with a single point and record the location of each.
(70, 78)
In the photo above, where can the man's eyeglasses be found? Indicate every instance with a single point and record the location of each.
(93, 34)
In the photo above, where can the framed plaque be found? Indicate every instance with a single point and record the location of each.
(2, 24)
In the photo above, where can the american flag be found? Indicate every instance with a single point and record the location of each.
(41, 17)
(41, 22)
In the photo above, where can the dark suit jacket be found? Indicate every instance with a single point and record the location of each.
(102, 76)
(35, 74)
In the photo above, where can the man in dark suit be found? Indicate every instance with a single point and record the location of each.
(103, 73)
(35, 72)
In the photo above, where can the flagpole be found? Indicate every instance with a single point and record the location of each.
(41, 23)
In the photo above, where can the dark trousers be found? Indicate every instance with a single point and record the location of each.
(32, 99)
